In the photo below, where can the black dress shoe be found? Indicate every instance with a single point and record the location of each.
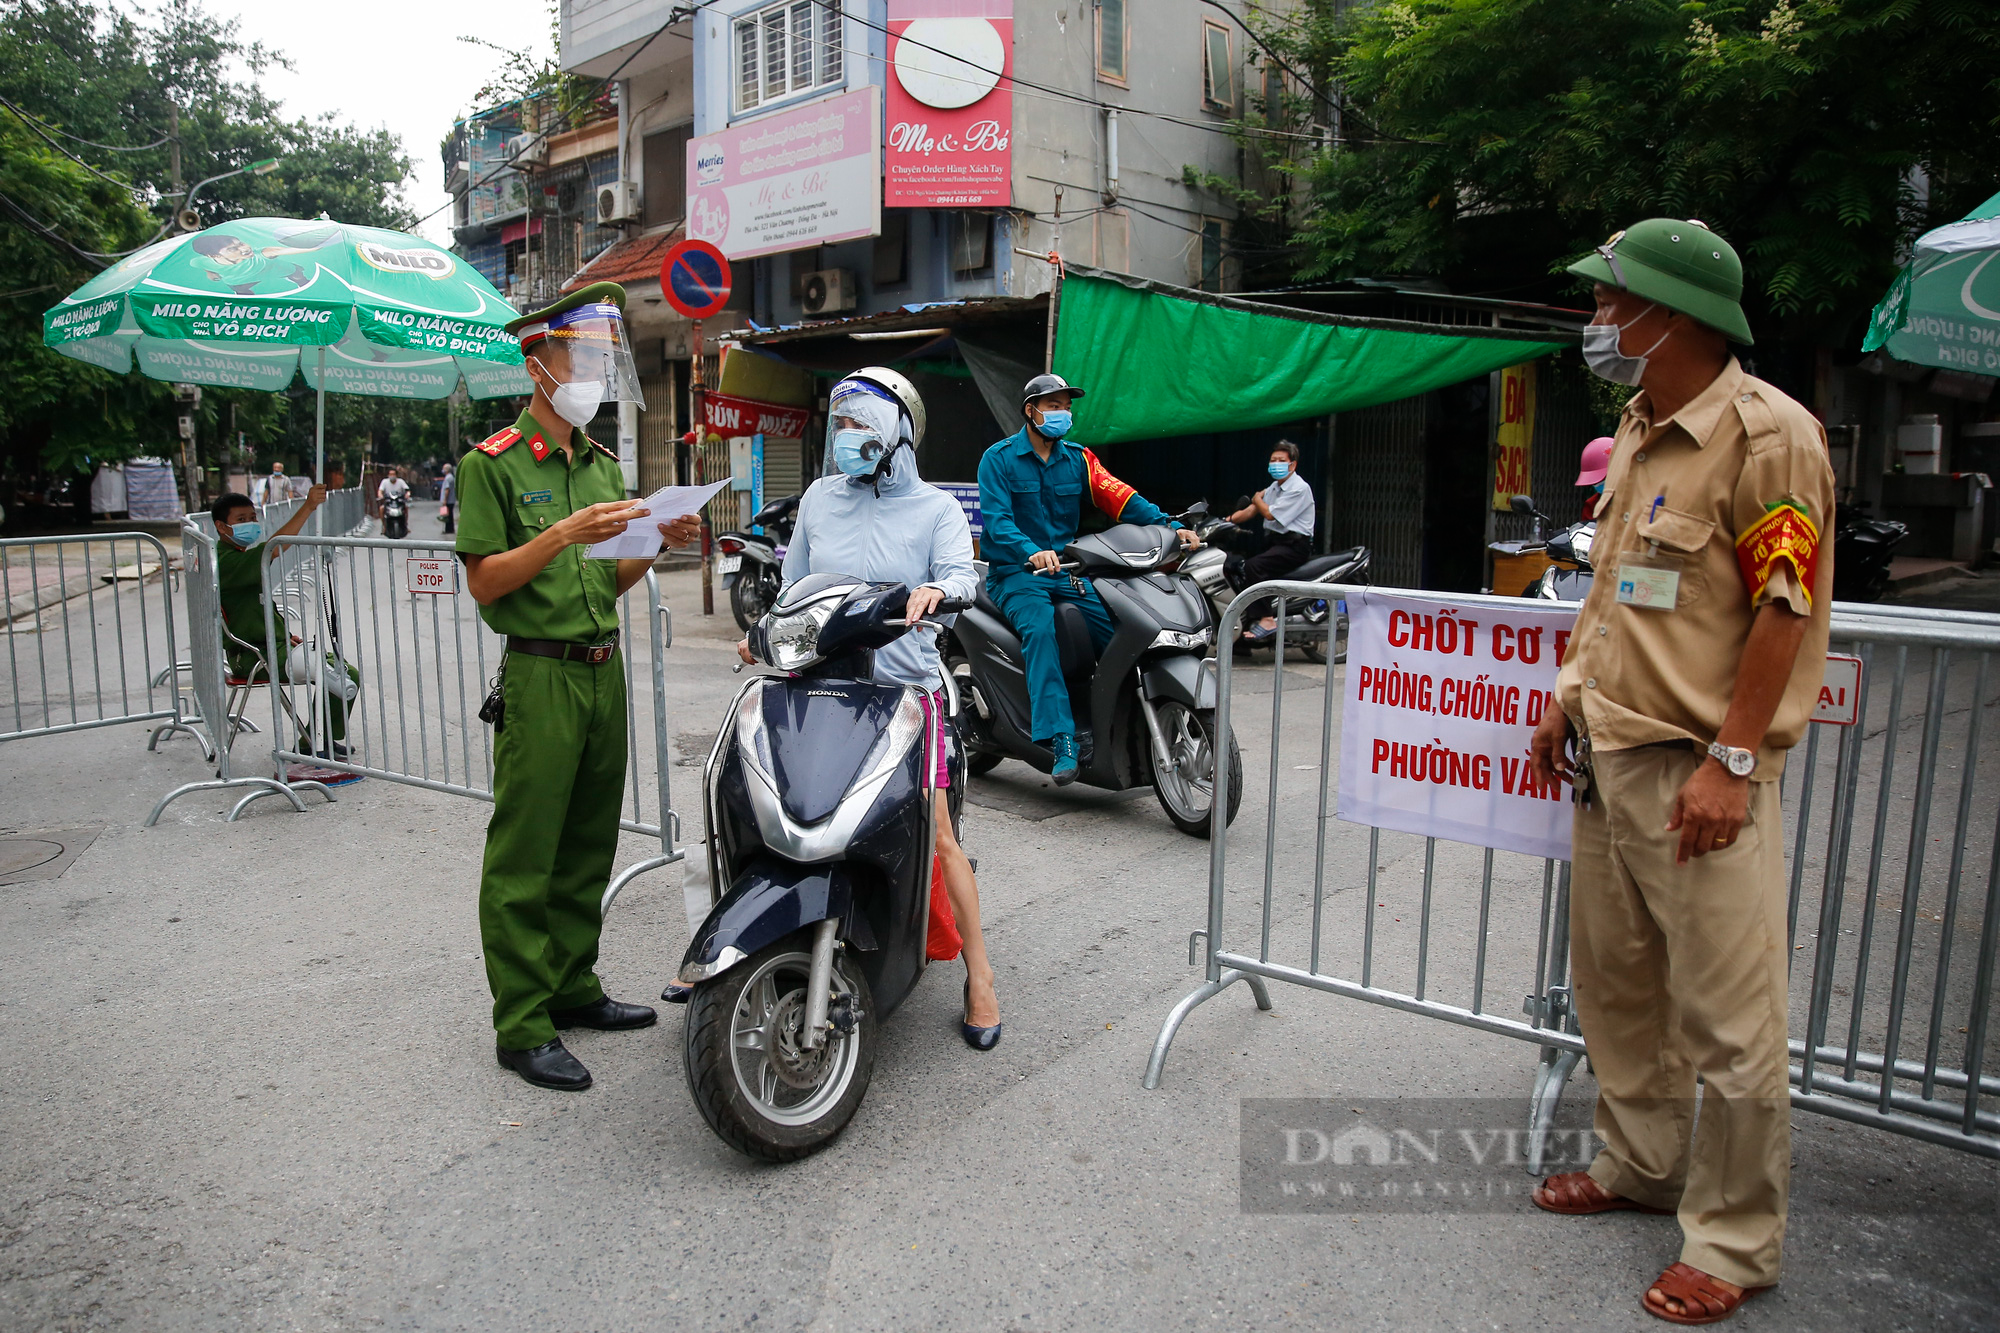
(978, 1038)
(606, 1015)
(546, 1066)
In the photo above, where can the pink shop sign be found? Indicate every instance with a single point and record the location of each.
(809, 176)
(951, 104)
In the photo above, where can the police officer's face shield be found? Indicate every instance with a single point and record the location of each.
(863, 427)
(586, 346)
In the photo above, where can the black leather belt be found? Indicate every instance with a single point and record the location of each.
(596, 654)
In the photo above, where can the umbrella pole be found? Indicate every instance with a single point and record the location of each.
(319, 438)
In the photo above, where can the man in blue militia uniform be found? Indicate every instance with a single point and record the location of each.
(534, 497)
(1031, 488)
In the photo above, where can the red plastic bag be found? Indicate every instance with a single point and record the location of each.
(944, 942)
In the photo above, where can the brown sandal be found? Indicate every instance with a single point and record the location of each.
(1577, 1194)
(1695, 1290)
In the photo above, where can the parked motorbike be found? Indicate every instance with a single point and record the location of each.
(751, 564)
(1862, 550)
(1568, 577)
(1218, 568)
(819, 803)
(395, 517)
(1145, 710)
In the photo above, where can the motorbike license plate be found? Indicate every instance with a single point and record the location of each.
(728, 564)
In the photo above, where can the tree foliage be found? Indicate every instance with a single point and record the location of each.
(93, 90)
(1491, 141)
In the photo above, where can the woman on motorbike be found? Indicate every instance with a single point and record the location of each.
(872, 517)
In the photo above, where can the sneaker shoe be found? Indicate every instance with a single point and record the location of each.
(1064, 771)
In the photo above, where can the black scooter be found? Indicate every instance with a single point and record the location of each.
(1863, 548)
(1145, 710)
(752, 564)
(395, 517)
(1569, 575)
(819, 804)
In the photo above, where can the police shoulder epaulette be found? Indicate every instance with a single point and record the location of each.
(495, 445)
(611, 454)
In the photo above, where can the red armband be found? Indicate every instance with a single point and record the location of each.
(1784, 533)
(1106, 491)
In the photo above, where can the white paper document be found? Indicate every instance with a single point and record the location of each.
(641, 538)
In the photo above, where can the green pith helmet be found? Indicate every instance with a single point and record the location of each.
(607, 293)
(1679, 263)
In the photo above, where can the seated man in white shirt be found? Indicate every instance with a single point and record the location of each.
(1288, 511)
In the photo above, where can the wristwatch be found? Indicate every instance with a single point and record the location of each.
(1740, 763)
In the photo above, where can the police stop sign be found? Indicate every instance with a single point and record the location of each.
(694, 277)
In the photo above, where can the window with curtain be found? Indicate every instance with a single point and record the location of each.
(787, 49)
(1111, 41)
(1218, 87)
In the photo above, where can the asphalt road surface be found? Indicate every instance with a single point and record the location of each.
(250, 1084)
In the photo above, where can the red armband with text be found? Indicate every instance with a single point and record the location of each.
(1106, 491)
(1786, 534)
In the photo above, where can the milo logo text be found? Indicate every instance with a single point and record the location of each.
(429, 263)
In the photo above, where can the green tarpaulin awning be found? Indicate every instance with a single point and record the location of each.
(1160, 360)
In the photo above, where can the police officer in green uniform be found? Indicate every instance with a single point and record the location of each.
(531, 499)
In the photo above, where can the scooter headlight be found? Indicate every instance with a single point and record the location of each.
(1173, 638)
(794, 639)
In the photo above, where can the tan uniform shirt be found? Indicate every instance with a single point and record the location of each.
(1678, 495)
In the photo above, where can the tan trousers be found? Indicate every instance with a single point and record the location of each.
(1679, 971)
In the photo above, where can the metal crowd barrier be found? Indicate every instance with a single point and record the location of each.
(208, 681)
(398, 613)
(76, 659)
(1893, 875)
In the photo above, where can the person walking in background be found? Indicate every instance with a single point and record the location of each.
(1289, 514)
(448, 498)
(1695, 665)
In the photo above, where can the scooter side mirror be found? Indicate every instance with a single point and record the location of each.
(1199, 509)
(1522, 504)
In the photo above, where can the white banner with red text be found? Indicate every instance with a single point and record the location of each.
(1442, 699)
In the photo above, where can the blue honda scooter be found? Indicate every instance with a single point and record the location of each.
(819, 801)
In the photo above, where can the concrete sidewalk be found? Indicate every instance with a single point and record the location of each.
(251, 1085)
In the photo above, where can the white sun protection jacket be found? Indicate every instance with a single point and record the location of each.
(900, 529)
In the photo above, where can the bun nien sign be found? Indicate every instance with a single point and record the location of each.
(950, 104)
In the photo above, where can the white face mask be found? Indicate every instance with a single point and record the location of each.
(1601, 354)
(576, 403)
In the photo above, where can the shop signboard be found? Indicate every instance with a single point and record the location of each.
(792, 179)
(951, 104)
(1512, 451)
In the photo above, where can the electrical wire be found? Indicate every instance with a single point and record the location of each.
(36, 130)
(92, 143)
(49, 234)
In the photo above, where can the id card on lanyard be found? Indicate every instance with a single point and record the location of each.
(1650, 580)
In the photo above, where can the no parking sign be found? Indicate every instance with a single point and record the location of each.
(694, 277)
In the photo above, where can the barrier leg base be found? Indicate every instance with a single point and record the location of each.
(1551, 1076)
(169, 728)
(1157, 1062)
(632, 872)
(272, 787)
(268, 787)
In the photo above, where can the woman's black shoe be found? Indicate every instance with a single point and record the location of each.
(546, 1066)
(978, 1038)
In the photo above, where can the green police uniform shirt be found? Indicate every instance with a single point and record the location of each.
(239, 579)
(517, 485)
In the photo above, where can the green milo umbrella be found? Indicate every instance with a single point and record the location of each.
(1944, 307)
(249, 303)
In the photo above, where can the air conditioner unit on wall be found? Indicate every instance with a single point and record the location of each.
(618, 202)
(527, 150)
(827, 291)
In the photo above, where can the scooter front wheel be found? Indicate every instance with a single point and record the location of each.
(761, 1090)
(1185, 782)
